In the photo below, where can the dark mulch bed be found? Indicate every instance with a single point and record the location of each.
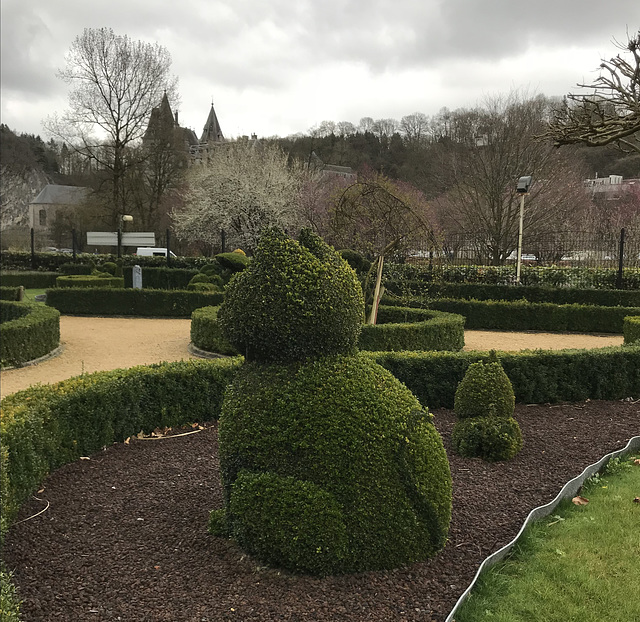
(125, 536)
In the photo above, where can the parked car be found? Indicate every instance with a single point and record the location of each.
(153, 251)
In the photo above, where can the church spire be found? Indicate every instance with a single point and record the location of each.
(212, 132)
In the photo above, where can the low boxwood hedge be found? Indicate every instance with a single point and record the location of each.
(206, 333)
(159, 277)
(555, 295)
(413, 329)
(136, 302)
(89, 280)
(631, 329)
(522, 315)
(537, 377)
(29, 280)
(11, 293)
(47, 426)
(28, 331)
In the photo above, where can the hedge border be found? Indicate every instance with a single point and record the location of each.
(403, 328)
(130, 302)
(35, 332)
(631, 329)
(11, 293)
(46, 426)
(29, 279)
(537, 376)
(84, 280)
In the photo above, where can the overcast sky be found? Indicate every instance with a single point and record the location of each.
(278, 67)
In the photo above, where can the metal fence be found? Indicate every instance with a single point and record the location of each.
(614, 250)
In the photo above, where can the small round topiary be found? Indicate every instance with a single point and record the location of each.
(295, 300)
(489, 438)
(484, 390)
(331, 466)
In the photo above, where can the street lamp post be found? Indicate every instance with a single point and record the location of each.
(521, 189)
(124, 218)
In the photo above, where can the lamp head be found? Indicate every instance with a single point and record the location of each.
(523, 185)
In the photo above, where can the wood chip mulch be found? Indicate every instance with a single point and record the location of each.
(125, 535)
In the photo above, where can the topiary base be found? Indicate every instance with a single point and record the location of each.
(489, 438)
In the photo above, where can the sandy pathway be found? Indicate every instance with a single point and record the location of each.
(96, 344)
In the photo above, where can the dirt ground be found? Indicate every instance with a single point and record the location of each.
(96, 344)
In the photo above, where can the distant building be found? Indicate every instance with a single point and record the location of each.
(42, 210)
(611, 188)
(332, 170)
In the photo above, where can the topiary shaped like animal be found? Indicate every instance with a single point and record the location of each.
(329, 463)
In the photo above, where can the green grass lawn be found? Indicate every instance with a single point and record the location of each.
(580, 564)
(30, 294)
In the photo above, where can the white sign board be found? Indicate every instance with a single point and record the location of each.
(110, 238)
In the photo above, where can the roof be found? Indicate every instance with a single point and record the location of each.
(53, 194)
(212, 131)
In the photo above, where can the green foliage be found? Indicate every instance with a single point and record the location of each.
(9, 601)
(92, 280)
(10, 293)
(135, 302)
(29, 280)
(631, 329)
(218, 525)
(485, 390)
(213, 282)
(236, 262)
(109, 267)
(295, 300)
(483, 291)
(413, 329)
(490, 438)
(47, 426)
(356, 260)
(75, 268)
(522, 315)
(537, 377)
(203, 287)
(288, 522)
(161, 277)
(28, 331)
(335, 422)
(206, 333)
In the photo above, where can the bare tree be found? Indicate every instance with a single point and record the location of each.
(243, 188)
(610, 114)
(115, 83)
(415, 127)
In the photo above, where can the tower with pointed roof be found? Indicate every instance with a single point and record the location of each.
(212, 132)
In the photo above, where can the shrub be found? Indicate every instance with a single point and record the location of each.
(109, 267)
(91, 280)
(11, 293)
(28, 332)
(47, 426)
(136, 302)
(490, 438)
(413, 329)
(537, 377)
(203, 287)
(631, 329)
(29, 280)
(295, 300)
(318, 432)
(161, 277)
(484, 390)
(206, 333)
(357, 261)
(75, 268)
(235, 261)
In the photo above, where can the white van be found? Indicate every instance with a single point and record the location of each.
(153, 251)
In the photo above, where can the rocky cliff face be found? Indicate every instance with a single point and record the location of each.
(17, 190)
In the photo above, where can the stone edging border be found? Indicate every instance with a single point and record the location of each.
(50, 355)
(569, 490)
(204, 354)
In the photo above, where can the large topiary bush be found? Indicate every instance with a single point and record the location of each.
(329, 463)
(295, 300)
(484, 403)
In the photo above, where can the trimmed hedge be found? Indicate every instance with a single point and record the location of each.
(28, 331)
(84, 280)
(47, 426)
(631, 329)
(483, 291)
(161, 277)
(10, 293)
(489, 438)
(29, 280)
(413, 329)
(317, 432)
(537, 377)
(76, 268)
(485, 390)
(206, 333)
(522, 315)
(136, 302)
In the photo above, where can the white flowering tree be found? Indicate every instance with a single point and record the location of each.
(241, 188)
